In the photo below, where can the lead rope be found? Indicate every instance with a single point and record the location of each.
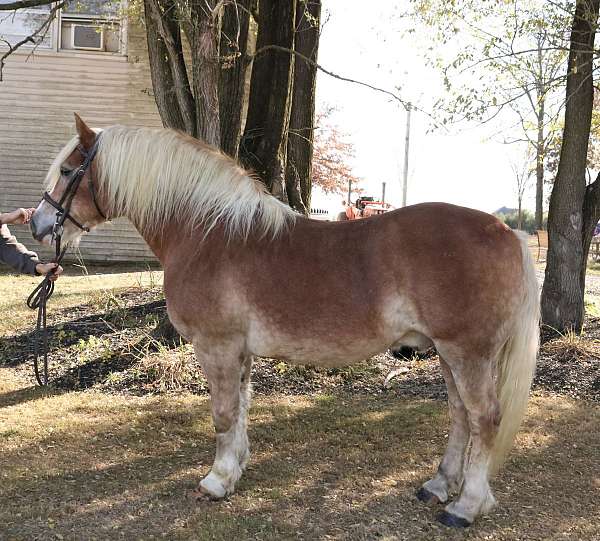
(37, 300)
(40, 295)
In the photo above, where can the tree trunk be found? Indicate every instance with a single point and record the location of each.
(263, 146)
(167, 66)
(234, 44)
(302, 117)
(564, 285)
(539, 165)
(201, 29)
(520, 214)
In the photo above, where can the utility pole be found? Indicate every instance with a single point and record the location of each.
(406, 147)
(383, 193)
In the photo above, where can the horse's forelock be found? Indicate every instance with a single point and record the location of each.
(53, 175)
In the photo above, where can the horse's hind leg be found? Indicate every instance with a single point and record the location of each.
(228, 375)
(477, 389)
(450, 471)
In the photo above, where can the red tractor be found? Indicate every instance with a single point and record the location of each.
(364, 207)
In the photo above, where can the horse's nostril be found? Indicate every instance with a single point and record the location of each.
(37, 233)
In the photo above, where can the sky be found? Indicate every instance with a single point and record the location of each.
(467, 167)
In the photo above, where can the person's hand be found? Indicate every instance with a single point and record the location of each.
(18, 216)
(45, 268)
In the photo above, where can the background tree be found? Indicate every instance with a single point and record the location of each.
(302, 117)
(527, 221)
(593, 153)
(264, 143)
(574, 205)
(512, 57)
(332, 156)
(522, 175)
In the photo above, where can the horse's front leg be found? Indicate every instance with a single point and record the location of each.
(227, 370)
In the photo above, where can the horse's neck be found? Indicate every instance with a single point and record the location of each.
(178, 241)
(163, 241)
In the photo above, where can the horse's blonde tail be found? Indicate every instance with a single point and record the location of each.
(516, 362)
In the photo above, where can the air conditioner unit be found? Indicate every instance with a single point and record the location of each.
(88, 37)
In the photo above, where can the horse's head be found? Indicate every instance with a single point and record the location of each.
(72, 205)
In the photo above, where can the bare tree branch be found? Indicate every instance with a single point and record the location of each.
(22, 4)
(397, 98)
(41, 31)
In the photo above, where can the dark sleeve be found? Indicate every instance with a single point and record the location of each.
(13, 253)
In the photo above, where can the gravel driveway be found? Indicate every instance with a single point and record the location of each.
(592, 282)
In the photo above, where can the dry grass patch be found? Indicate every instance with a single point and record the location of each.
(571, 346)
(88, 465)
(77, 286)
(165, 369)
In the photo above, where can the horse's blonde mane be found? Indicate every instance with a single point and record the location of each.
(154, 175)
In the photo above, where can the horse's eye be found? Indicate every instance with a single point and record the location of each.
(65, 172)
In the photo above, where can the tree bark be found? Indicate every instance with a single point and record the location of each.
(201, 28)
(564, 285)
(234, 66)
(171, 88)
(264, 143)
(302, 116)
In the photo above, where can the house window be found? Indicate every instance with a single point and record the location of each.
(91, 25)
(82, 25)
(15, 26)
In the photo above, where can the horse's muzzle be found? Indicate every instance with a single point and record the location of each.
(39, 233)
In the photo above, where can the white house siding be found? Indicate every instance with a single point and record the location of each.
(37, 99)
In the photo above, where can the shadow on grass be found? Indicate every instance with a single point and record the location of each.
(28, 394)
(335, 467)
(19, 348)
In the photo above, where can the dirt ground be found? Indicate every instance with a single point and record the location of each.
(111, 451)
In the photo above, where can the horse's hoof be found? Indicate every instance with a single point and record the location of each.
(210, 489)
(427, 497)
(448, 519)
(199, 495)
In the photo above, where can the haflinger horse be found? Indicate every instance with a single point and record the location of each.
(244, 275)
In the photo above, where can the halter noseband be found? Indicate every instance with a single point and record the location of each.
(63, 206)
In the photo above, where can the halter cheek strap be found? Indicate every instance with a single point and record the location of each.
(61, 210)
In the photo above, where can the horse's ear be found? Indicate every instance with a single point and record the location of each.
(86, 134)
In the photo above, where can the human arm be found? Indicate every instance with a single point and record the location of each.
(15, 254)
(17, 216)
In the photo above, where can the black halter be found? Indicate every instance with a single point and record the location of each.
(41, 294)
(64, 205)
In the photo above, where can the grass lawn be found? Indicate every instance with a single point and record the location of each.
(86, 465)
(78, 286)
(92, 465)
